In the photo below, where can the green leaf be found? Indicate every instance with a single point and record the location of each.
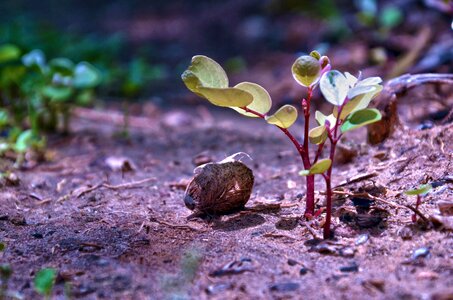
(284, 117)
(45, 280)
(23, 141)
(261, 99)
(9, 52)
(390, 17)
(4, 118)
(2, 246)
(34, 58)
(5, 272)
(358, 103)
(226, 97)
(421, 190)
(318, 135)
(306, 70)
(57, 93)
(86, 76)
(318, 168)
(62, 65)
(321, 119)
(361, 118)
(204, 72)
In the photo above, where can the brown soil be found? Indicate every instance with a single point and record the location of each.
(134, 242)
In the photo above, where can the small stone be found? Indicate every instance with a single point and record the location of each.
(347, 252)
(351, 268)
(303, 271)
(292, 262)
(405, 233)
(362, 239)
(324, 249)
(420, 252)
(12, 179)
(217, 288)
(37, 235)
(285, 287)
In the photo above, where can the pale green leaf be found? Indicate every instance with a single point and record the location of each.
(261, 99)
(204, 72)
(284, 117)
(321, 166)
(23, 141)
(360, 90)
(318, 168)
(306, 70)
(358, 103)
(9, 52)
(421, 190)
(321, 119)
(334, 87)
(45, 280)
(57, 93)
(226, 97)
(86, 76)
(361, 118)
(318, 135)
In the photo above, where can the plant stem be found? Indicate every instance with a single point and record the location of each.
(310, 180)
(417, 204)
(334, 138)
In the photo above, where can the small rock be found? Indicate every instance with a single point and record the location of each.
(218, 288)
(351, 268)
(12, 179)
(367, 221)
(303, 271)
(37, 235)
(347, 252)
(120, 163)
(405, 233)
(285, 287)
(427, 275)
(362, 239)
(420, 252)
(292, 262)
(427, 124)
(324, 249)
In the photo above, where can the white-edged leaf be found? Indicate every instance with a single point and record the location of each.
(361, 118)
(369, 81)
(334, 87)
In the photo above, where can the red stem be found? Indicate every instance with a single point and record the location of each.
(419, 201)
(310, 197)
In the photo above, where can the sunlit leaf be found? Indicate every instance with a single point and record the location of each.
(358, 103)
(421, 190)
(334, 87)
(34, 58)
(45, 280)
(86, 76)
(361, 118)
(57, 93)
(226, 97)
(306, 70)
(204, 72)
(318, 168)
(318, 135)
(9, 52)
(284, 117)
(261, 99)
(62, 65)
(321, 119)
(370, 81)
(352, 80)
(23, 141)
(4, 118)
(360, 90)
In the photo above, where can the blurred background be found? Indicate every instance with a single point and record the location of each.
(142, 47)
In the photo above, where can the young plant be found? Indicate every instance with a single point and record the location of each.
(206, 78)
(44, 281)
(419, 192)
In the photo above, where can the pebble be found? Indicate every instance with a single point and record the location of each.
(351, 268)
(362, 239)
(285, 287)
(303, 271)
(217, 288)
(420, 252)
(347, 252)
(292, 262)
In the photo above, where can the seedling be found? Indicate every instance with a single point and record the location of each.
(419, 192)
(44, 281)
(348, 94)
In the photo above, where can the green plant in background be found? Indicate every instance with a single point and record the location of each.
(44, 281)
(387, 17)
(5, 274)
(349, 95)
(419, 192)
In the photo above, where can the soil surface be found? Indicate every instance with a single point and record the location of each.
(125, 235)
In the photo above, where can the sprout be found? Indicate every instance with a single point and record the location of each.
(419, 191)
(349, 95)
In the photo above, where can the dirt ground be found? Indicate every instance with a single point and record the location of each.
(133, 241)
